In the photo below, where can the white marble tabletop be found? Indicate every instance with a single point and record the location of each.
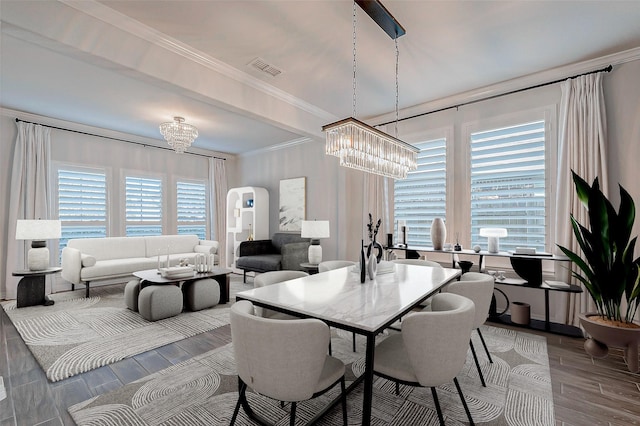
(338, 296)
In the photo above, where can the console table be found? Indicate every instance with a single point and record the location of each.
(528, 268)
(31, 288)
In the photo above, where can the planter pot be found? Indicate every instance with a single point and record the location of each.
(604, 335)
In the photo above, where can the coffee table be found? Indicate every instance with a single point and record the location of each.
(220, 275)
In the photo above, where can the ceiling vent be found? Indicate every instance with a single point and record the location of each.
(262, 65)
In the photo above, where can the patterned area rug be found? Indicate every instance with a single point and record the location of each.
(76, 334)
(203, 391)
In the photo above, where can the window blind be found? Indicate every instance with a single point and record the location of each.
(191, 208)
(143, 206)
(508, 188)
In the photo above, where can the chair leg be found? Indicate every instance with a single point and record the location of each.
(241, 396)
(435, 401)
(475, 358)
(354, 342)
(485, 345)
(397, 388)
(292, 420)
(244, 276)
(344, 401)
(464, 402)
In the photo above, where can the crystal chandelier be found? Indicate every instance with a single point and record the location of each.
(358, 145)
(179, 134)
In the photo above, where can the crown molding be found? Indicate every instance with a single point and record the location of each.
(144, 32)
(277, 147)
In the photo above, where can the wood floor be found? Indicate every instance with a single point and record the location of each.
(586, 391)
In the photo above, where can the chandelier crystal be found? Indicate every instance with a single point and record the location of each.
(178, 134)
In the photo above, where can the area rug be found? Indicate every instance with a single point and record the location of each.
(203, 391)
(79, 334)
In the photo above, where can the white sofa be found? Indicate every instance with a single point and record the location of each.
(90, 259)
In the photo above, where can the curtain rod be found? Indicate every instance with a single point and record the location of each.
(606, 69)
(118, 139)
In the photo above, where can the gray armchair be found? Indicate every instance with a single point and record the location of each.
(282, 252)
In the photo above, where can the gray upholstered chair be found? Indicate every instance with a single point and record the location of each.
(419, 262)
(283, 360)
(274, 277)
(479, 288)
(328, 265)
(432, 348)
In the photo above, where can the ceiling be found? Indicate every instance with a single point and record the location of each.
(128, 65)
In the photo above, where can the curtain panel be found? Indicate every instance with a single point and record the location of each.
(30, 195)
(218, 203)
(582, 142)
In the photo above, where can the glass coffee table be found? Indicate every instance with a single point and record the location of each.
(220, 275)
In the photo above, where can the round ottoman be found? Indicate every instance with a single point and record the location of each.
(157, 302)
(201, 294)
(131, 292)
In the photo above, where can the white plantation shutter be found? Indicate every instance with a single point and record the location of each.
(191, 208)
(82, 205)
(508, 188)
(143, 206)
(421, 196)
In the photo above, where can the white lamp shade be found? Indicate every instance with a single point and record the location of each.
(315, 229)
(38, 230)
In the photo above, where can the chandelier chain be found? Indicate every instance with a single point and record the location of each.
(397, 87)
(354, 60)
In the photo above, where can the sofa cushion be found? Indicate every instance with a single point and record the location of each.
(112, 247)
(158, 244)
(116, 267)
(260, 262)
(87, 260)
(204, 249)
(281, 238)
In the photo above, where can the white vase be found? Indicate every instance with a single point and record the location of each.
(438, 233)
(372, 265)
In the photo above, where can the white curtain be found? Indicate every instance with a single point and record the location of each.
(218, 204)
(376, 202)
(30, 195)
(582, 141)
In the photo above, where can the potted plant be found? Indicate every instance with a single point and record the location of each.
(608, 271)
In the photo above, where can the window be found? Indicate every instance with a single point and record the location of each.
(192, 208)
(508, 186)
(82, 204)
(421, 197)
(143, 206)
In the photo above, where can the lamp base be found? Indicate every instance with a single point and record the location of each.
(493, 245)
(38, 259)
(315, 254)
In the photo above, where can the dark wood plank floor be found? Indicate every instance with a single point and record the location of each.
(586, 391)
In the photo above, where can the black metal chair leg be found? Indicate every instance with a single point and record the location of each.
(292, 421)
(87, 290)
(344, 401)
(241, 395)
(485, 345)
(437, 403)
(397, 388)
(475, 358)
(464, 402)
(354, 342)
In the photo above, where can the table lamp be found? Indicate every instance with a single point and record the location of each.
(38, 231)
(493, 234)
(315, 229)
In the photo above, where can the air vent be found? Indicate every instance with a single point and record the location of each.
(262, 65)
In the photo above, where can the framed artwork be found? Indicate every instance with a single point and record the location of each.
(292, 209)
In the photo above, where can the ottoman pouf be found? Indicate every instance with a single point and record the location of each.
(157, 302)
(201, 294)
(131, 292)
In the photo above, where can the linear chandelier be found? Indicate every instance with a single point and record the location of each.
(358, 145)
(179, 134)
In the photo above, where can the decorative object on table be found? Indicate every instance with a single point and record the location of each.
(204, 262)
(438, 233)
(608, 271)
(38, 231)
(447, 247)
(457, 247)
(178, 134)
(363, 263)
(360, 146)
(250, 236)
(250, 202)
(389, 240)
(315, 229)
(465, 265)
(373, 244)
(292, 204)
(477, 248)
(372, 266)
(494, 235)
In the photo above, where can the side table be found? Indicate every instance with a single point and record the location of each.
(31, 288)
(310, 268)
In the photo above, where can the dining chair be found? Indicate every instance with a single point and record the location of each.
(479, 288)
(275, 277)
(283, 360)
(419, 262)
(431, 349)
(329, 265)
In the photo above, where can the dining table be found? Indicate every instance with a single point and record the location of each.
(338, 298)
